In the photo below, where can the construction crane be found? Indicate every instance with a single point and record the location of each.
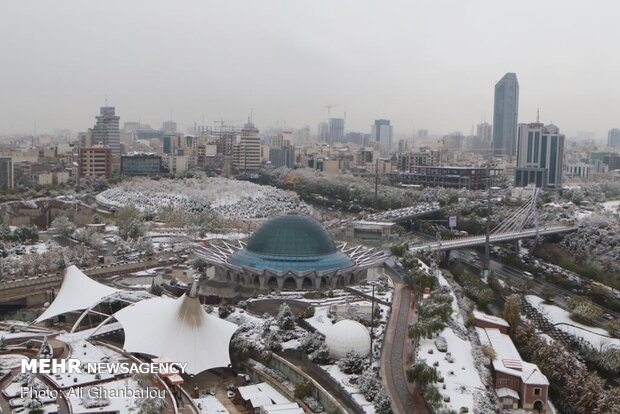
(329, 109)
(223, 122)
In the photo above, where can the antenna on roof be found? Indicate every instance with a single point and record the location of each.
(106, 99)
(538, 115)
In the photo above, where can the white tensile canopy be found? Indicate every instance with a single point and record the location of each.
(178, 330)
(78, 292)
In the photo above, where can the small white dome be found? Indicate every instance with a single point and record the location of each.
(345, 336)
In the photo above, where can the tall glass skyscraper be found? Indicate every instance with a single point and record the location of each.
(505, 115)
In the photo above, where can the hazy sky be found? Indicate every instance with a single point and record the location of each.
(424, 64)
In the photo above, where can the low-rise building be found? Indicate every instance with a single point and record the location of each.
(518, 384)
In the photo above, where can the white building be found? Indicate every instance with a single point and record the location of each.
(382, 133)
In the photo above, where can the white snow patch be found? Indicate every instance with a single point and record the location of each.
(558, 315)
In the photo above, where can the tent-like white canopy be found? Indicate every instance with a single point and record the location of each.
(78, 292)
(178, 330)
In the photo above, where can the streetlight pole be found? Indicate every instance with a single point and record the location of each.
(372, 320)
(486, 267)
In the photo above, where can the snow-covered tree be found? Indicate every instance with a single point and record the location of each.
(321, 355)
(129, 222)
(151, 405)
(285, 319)
(352, 363)
(311, 343)
(382, 403)
(369, 384)
(63, 226)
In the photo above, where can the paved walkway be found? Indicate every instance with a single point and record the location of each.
(397, 354)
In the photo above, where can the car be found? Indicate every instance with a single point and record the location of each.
(608, 316)
(230, 394)
(528, 275)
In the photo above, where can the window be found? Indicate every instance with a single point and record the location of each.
(503, 382)
(536, 391)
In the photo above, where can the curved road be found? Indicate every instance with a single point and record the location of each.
(396, 354)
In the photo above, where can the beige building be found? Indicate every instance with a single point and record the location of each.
(247, 152)
(95, 162)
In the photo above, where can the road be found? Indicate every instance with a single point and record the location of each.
(472, 241)
(396, 355)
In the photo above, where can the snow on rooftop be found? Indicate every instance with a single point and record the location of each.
(210, 405)
(490, 318)
(507, 392)
(507, 358)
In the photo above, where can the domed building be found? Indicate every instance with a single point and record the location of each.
(291, 252)
(347, 335)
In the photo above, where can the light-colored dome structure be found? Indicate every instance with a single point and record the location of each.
(345, 336)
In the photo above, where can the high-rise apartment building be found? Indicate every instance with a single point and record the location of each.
(540, 156)
(7, 179)
(247, 152)
(484, 132)
(505, 115)
(323, 132)
(106, 131)
(382, 133)
(613, 138)
(95, 161)
(336, 130)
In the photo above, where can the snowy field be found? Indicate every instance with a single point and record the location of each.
(461, 378)
(231, 198)
(558, 315)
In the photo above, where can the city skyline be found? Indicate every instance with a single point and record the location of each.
(220, 62)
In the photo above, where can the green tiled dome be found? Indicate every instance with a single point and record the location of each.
(291, 235)
(291, 242)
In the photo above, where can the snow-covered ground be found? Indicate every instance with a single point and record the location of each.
(85, 352)
(231, 198)
(461, 378)
(558, 315)
(10, 361)
(612, 206)
(210, 405)
(344, 380)
(120, 405)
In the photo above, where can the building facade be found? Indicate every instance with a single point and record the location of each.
(106, 131)
(382, 134)
(336, 130)
(247, 152)
(613, 138)
(7, 180)
(471, 178)
(145, 165)
(95, 162)
(505, 115)
(282, 157)
(540, 156)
